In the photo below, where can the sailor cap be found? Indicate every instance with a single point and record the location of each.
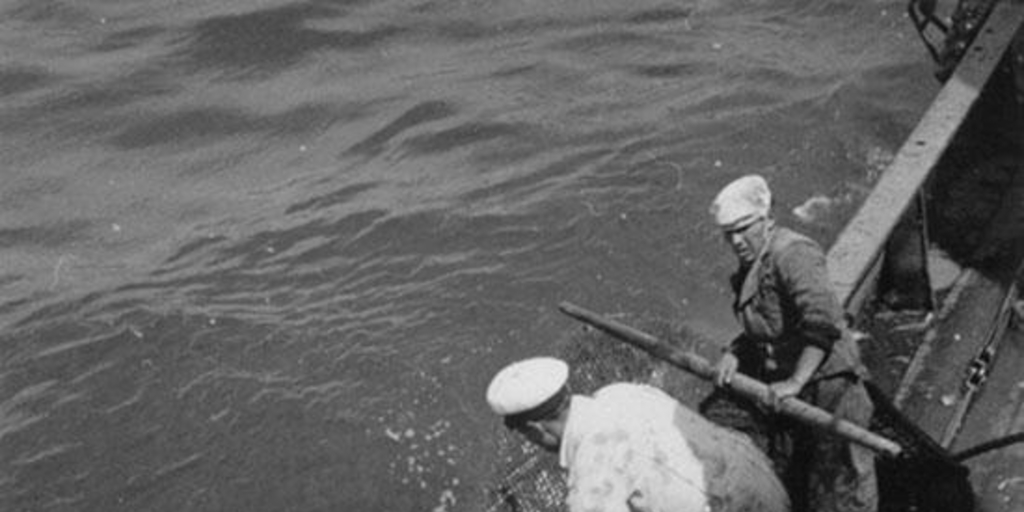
(528, 389)
(742, 202)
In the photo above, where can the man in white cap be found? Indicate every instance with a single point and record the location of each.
(795, 339)
(631, 447)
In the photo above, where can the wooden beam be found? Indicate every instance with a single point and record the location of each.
(859, 247)
(745, 386)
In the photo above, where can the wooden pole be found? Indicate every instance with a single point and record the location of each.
(742, 384)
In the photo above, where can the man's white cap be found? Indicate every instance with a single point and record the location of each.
(526, 385)
(741, 202)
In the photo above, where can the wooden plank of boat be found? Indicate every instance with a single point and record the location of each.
(853, 259)
(998, 412)
(936, 392)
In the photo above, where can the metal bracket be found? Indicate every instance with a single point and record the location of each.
(922, 15)
(979, 368)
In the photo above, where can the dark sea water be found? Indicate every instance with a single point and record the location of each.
(266, 255)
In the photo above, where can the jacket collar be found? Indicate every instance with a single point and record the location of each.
(580, 410)
(752, 279)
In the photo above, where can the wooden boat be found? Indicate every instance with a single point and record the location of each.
(957, 182)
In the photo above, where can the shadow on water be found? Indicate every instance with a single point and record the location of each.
(661, 15)
(422, 113)
(32, 189)
(128, 39)
(256, 44)
(504, 142)
(18, 79)
(466, 134)
(209, 125)
(52, 12)
(335, 198)
(50, 235)
(83, 109)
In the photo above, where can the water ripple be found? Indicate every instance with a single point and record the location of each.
(19, 79)
(421, 113)
(263, 42)
(210, 125)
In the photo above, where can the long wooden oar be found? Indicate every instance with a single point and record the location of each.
(745, 386)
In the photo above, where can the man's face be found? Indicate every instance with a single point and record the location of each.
(746, 242)
(536, 433)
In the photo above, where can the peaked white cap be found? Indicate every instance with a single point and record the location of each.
(527, 384)
(742, 202)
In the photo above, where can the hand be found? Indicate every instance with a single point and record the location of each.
(726, 369)
(781, 390)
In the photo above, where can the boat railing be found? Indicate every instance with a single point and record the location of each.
(858, 254)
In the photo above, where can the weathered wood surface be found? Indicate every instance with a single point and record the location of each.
(998, 476)
(853, 258)
(934, 386)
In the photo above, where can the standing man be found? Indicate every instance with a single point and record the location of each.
(631, 447)
(794, 339)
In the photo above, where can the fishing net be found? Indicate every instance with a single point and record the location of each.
(924, 478)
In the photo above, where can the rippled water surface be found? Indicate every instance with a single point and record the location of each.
(265, 255)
